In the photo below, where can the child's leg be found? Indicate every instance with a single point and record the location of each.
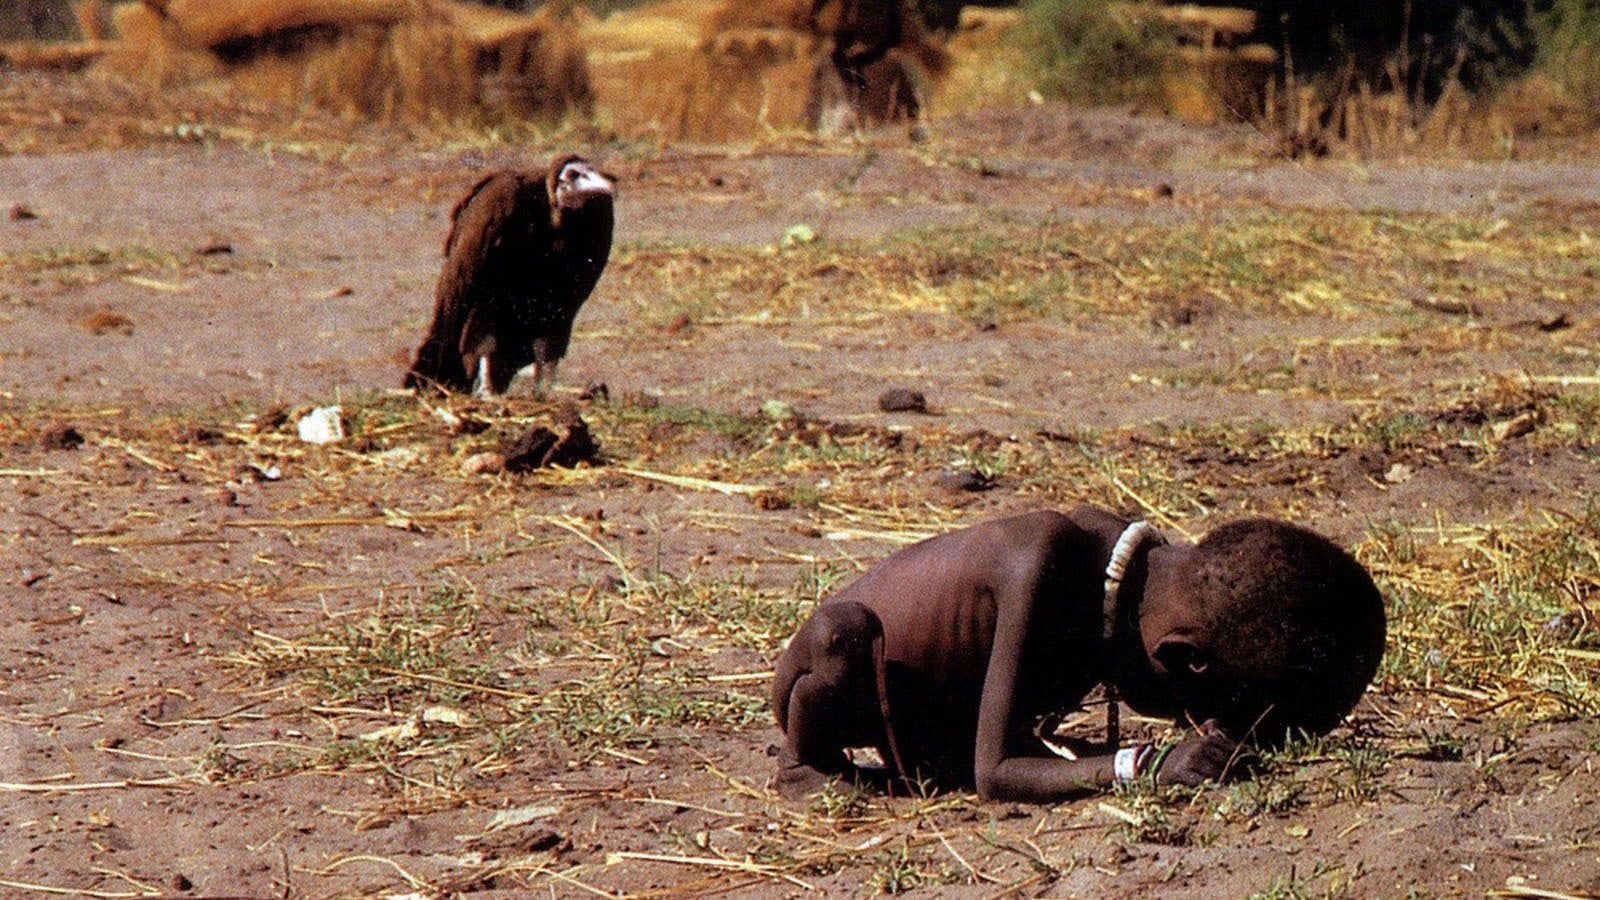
(825, 695)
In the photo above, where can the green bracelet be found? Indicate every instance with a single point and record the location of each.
(1161, 757)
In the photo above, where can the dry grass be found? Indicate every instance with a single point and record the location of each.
(556, 637)
(417, 61)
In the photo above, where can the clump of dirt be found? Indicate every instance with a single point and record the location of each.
(566, 444)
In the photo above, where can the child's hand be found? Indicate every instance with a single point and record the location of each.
(1200, 758)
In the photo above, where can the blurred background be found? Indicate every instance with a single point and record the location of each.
(1373, 75)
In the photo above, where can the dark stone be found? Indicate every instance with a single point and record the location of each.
(60, 437)
(902, 400)
(963, 480)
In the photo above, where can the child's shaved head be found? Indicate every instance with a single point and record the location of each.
(1296, 633)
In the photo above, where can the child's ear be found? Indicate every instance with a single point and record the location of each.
(1179, 655)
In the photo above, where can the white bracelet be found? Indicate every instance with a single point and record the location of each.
(1125, 766)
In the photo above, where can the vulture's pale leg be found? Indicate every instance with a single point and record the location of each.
(483, 386)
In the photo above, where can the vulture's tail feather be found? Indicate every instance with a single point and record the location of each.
(432, 368)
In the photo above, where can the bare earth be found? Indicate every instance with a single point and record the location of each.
(200, 662)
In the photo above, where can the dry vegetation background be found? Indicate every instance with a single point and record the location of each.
(237, 663)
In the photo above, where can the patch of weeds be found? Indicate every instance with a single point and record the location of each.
(1267, 794)
(730, 607)
(816, 581)
(1155, 814)
(898, 871)
(1323, 882)
(1396, 431)
(629, 703)
(1391, 542)
(839, 801)
(1360, 766)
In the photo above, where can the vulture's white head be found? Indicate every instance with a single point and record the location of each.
(576, 183)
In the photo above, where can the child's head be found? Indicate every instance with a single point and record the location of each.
(1262, 625)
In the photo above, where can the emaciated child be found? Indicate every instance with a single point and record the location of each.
(947, 655)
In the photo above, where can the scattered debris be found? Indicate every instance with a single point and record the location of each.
(798, 235)
(1557, 322)
(105, 321)
(568, 444)
(486, 463)
(778, 411)
(61, 437)
(902, 400)
(322, 425)
(1448, 307)
(1515, 427)
(970, 480)
(596, 392)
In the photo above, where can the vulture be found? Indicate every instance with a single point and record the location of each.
(524, 252)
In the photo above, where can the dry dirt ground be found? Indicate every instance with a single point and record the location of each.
(237, 664)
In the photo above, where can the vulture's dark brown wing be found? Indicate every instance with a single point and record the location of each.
(494, 229)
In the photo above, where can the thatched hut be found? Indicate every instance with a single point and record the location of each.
(410, 60)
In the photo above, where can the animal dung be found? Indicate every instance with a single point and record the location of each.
(969, 480)
(409, 60)
(902, 400)
(565, 445)
(60, 437)
(322, 425)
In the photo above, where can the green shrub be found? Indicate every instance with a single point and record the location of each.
(1084, 52)
(1567, 35)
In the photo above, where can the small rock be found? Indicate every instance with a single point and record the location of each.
(486, 463)
(23, 213)
(215, 248)
(902, 400)
(963, 480)
(60, 437)
(1557, 322)
(1515, 427)
(595, 391)
(181, 883)
(1164, 190)
(1399, 473)
(322, 425)
(678, 324)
